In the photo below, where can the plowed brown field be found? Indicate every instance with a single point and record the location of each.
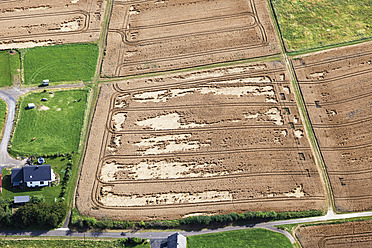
(147, 36)
(213, 141)
(356, 234)
(31, 23)
(336, 86)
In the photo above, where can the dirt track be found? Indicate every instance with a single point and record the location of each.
(350, 234)
(336, 86)
(31, 23)
(214, 141)
(148, 36)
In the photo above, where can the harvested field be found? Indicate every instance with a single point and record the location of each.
(37, 23)
(336, 86)
(349, 234)
(149, 36)
(213, 141)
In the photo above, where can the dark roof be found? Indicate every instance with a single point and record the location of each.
(21, 199)
(176, 240)
(16, 176)
(37, 173)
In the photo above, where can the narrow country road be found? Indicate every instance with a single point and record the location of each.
(65, 232)
(10, 96)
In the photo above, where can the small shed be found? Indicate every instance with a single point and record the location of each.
(45, 82)
(30, 105)
(21, 199)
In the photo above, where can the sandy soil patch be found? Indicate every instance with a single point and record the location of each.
(110, 199)
(118, 120)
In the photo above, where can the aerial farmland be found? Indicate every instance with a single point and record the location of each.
(190, 114)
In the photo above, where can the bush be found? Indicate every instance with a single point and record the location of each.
(37, 199)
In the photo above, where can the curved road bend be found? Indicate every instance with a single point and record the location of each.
(65, 232)
(10, 96)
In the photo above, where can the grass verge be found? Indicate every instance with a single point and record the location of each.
(60, 63)
(311, 24)
(53, 126)
(10, 67)
(3, 111)
(57, 243)
(256, 237)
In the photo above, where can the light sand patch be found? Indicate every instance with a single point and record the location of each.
(274, 114)
(284, 132)
(299, 133)
(74, 1)
(31, 8)
(254, 90)
(27, 44)
(220, 72)
(43, 108)
(195, 214)
(169, 143)
(121, 101)
(286, 90)
(318, 74)
(119, 120)
(298, 192)
(70, 26)
(295, 119)
(157, 170)
(107, 198)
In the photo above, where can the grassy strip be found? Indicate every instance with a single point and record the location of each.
(5, 75)
(3, 112)
(58, 63)
(311, 24)
(204, 67)
(255, 237)
(303, 110)
(57, 243)
(53, 126)
(195, 222)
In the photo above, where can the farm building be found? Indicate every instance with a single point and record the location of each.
(33, 176)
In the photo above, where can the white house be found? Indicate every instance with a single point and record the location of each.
(33, 176)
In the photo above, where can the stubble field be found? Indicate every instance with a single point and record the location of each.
(149, 36)
(336, 88)
(213, 141)
(349, 234)
(37, 23)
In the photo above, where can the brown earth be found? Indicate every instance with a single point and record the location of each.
(149, 36)
(336, 86)
(213, 141)
(350, 234)
(31, 23)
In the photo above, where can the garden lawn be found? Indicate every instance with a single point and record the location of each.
(53, 126)
(253, 238)
(67, 243)
(70, 62)
(307, 24)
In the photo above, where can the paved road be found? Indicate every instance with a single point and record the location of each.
(10, 96)
(161, 235)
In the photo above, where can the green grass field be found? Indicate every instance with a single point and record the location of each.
(67, 243)
(3, 110)
(253, 238)
(70, 62)
(9, 67)
(307, 24)
(53, 126)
